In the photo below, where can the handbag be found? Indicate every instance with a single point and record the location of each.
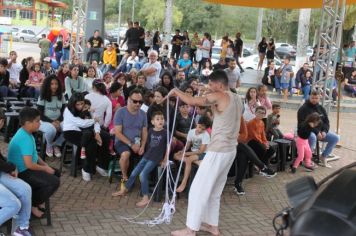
(198, 55)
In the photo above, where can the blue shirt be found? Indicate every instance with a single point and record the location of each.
(22, 144)
(131, 124)
(183, 63)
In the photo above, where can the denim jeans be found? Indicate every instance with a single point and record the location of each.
(143, 168)
(59, 55)
(15, 199)
(49, 133)
(65, 55)
(306, 91)
(331, 139)
(3, 91)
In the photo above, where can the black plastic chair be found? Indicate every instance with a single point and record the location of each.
(74, 158)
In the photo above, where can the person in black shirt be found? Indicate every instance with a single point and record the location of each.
(270, 50)
(221, 65)
(238, 44)
(177, 41)
(141, 41)
(262, 47)
(96, 46)
(4, 78)
(132, 38)
(58, 47)
(155, 153)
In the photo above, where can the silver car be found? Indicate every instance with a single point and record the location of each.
(26, 35)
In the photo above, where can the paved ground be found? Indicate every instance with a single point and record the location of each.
(80, 208)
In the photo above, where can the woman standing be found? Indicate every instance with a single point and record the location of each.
(194, 43)
(148, 42)
(156, 42)
(51, 105)
(262, 47)
(270, 50)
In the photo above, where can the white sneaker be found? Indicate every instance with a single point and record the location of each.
(324, 162)
(101, 171)
(57, 152)
(86, 176)
(49, 151)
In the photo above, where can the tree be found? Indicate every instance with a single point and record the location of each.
(303, 35)
(152, 14)
(168, 17)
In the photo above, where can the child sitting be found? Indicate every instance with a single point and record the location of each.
(87, 132)
(43, 179)
(303, 147)
(155, 153)
(272, 126)
(257, 136)
(197, 139)
(183, 122)
(35, 80)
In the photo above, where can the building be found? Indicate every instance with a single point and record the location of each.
(32, 12)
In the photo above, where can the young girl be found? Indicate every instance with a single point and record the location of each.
(206, 71)
(74, 83)
(51, 105)
(89, 79)
(263, 98)
(62, 73)
(251, 102)
(167, 81)
(35, 80)
(72, 128)
(107, 78)
(164, 54)
(303, 148)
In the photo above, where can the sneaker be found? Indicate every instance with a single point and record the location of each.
(101, 171)
(267, 172)
(309, 168)
(293, 169)
(86, 176)
(57, 152)
(239, 190)
(83, 155)
(49, 151)
(324, 162)
(22, 232)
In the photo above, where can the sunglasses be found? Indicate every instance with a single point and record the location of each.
(137, 101)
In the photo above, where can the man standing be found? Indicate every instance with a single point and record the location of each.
(141, 32)
(324, 135)
(130, 131)
(133, 38)
(152, 70)
(96, 46)
(209, 182)
(44, 44)
(238, 45)
(233, 74)
(177, 41)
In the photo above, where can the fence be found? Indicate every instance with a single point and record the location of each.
(5, 44)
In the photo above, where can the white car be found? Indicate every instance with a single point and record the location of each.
(216, 51)
(251, 62)
(25, 35)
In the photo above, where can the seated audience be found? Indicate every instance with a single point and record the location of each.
(197, 142)
(350, 84)
(306, 81)
(62, 74)
(155, 154)
(109, 59)
(35, 81)
(43, 179)
(184, 64)
(74, 83)
(47, 68)
(89, 79)
(183, 122)
(51, 105)
(167, 81)
(250, 104)
(140, 84)
(27, 64)
(269, 75)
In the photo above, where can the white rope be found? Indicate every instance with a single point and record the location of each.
(168, 208)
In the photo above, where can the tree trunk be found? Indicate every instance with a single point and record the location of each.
(303, 36)
(168, 18)
(259, 27)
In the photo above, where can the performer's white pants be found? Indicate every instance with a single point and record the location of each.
(206, 189)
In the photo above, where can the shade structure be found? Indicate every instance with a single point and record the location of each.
(291, 4)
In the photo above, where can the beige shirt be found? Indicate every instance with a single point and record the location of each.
(226, 126)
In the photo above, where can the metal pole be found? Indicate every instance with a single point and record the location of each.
(133, 10)
(119, 21)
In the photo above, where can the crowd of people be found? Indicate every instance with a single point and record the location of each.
(118, 107)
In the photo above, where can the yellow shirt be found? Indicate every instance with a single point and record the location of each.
(110, 57)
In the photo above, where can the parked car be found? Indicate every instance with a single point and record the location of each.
(112, 35)
(251, 62)
(285, 49)
(25, 35)
(216, 51)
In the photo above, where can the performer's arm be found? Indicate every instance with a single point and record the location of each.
(208, 100)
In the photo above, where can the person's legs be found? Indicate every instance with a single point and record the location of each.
(300, 143)
(312, 141)
(251, 155)
(306, 92)
(332, 139)
(204, 195)
(307, 154)
(43, 185)
(23, 192)
(103, 151)
(124, 164)
(187, 169)
(9, 203)
(259, 149)
(149, 166)
(49, 133)
(136, 171)
(242, 163)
